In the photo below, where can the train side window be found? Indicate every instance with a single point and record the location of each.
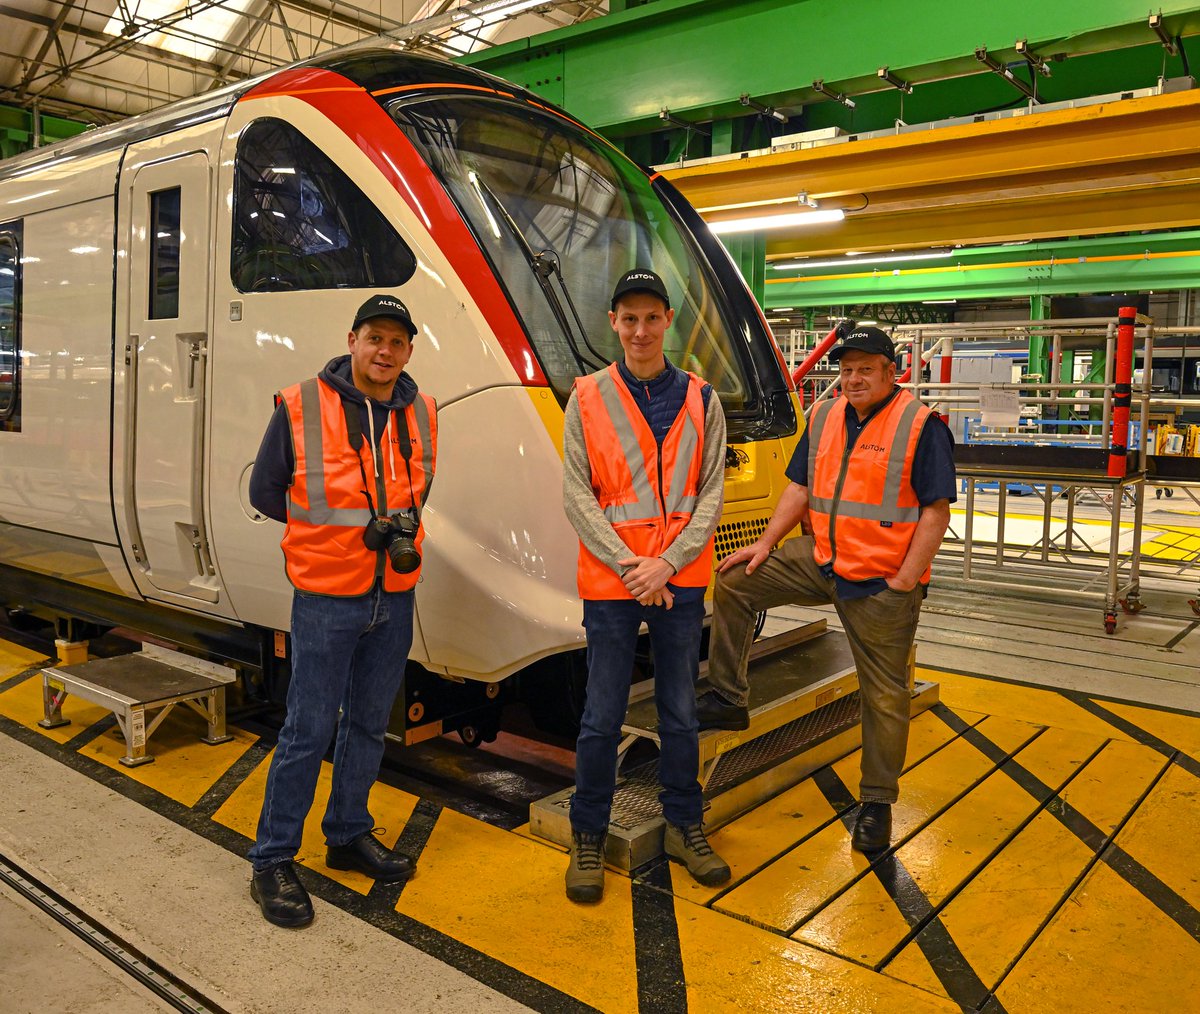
(10, 328)
(164, 254)
(300, 223)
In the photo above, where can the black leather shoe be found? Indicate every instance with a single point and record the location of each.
(282, 897)
(873, 827)
(713, 712)
(367, 854)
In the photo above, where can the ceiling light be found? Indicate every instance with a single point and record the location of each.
(937, 302)
(777, 221)
(851, 262)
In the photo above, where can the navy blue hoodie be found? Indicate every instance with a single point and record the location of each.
(275, 462)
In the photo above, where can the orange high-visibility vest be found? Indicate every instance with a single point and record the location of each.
(323, 545)
(864, 510)
(648, 501)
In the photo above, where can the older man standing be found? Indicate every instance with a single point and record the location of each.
(871, 485)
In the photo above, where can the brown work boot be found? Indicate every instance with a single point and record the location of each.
(585, 872)
(688, 845)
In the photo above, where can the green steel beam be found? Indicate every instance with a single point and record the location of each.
(1169, 260)
(696, 57)
(16, 129)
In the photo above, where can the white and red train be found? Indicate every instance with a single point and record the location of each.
(160, 279)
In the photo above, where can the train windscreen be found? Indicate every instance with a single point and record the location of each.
(562, 216)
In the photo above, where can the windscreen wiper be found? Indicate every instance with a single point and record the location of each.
(545, 265)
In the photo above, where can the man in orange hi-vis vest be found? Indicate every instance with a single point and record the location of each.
(643, 482)
(347, 462)
(872, 480)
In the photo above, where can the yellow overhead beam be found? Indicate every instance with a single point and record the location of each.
(1042, 217)
(1041, 174)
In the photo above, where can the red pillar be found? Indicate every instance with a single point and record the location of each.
(1122, 392)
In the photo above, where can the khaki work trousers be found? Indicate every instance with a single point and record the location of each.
(880, 627)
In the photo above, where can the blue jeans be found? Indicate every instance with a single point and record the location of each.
(348, 654)
(612, 630)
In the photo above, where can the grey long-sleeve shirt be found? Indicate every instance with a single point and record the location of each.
(587, 517)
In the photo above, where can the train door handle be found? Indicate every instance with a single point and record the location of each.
(197, 342)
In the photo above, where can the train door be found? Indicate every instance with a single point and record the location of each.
(166, 336)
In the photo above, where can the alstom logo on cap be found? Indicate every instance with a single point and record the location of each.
(394, 304)
(860, 334)
(639, 276)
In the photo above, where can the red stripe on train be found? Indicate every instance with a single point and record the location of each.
(370, 128)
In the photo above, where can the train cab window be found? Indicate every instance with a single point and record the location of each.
(164, 254)
(561, 215)
(10, 328)
(300, 223)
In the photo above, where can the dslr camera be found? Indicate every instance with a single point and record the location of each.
(396, 533)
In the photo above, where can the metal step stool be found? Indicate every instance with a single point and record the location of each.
(136, 686)
(804, 714)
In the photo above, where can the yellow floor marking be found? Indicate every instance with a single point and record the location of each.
(996, 698)
(1181, 731)
(926, 734)
(184, 767)
(1164, 833)
(731, 966)
(948, 851)
(788, 890)
(23, 704)
(503, 895)
(1107, 949)
(15, 659)
(752, 839)
(1173, 546)
(390, 807)
(996, 914)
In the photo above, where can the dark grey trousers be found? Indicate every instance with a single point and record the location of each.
(880, 627)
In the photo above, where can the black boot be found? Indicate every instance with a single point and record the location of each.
(714, 712)
(367, 854)
(872, 827)
(282, 897)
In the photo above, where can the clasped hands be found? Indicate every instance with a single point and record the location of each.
(646, 580)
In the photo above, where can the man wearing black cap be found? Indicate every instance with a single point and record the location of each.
(643, 480)
(872, 480)
(346, 463)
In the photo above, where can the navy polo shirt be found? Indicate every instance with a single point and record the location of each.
(933, 478)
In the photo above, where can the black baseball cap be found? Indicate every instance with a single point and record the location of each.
(385, 306)
(865, 339)
(640, 280)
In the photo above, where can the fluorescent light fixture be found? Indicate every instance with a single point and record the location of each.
(777, 221)
(867, 323)
(853, 262)
(937, 302)
(782, 309)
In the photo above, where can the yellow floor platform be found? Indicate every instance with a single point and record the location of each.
(1044, 860)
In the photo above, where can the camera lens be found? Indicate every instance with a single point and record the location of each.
(403, 555)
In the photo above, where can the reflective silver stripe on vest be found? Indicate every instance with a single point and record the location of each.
(815, 429)
(425, 431)
(866, 511)
(318, 511)
(689, 440)
(895, 468)
(646, 505)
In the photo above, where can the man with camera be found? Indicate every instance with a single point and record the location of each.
(643, 483)
(347, 462)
